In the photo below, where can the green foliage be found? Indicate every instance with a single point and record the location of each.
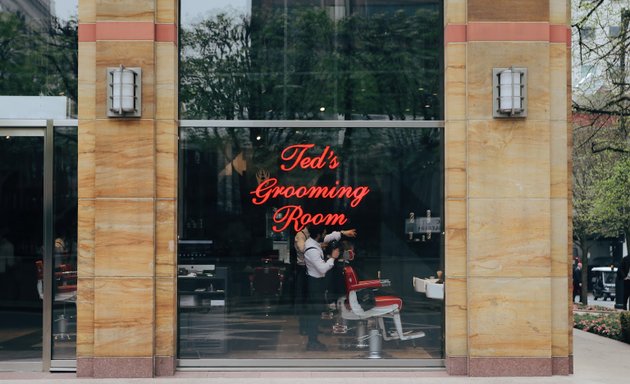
(20, 63)
(587, 170)
(304, 64)
(36, 61)
(61, 48)
(601, 144)
(611, 204)
(625, 326)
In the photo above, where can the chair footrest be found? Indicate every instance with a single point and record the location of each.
(409, 335)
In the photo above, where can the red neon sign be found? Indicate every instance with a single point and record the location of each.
(295, 156)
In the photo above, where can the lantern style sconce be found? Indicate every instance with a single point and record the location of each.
(509, 92)
(124, 91)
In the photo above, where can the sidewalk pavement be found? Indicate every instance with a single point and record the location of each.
(596, 360)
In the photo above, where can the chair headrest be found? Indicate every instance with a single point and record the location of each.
(350, 277)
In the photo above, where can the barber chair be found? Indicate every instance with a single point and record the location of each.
(65, 293)
(384, 307)
(266, 283)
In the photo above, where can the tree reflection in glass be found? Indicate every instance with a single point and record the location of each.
(313, 62)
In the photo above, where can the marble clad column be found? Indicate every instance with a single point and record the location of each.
(456, 189)
(507, 191)
(127, 193)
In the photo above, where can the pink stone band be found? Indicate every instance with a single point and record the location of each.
(116, 30)
(462, 33)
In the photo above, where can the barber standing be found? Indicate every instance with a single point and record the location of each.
(316, 268)
(301, 296)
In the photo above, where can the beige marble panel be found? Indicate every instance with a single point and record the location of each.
(455, 12)
(508, 159)
(483, 56)
(86, 236)
(455, 82)
(559, 229)
(166, 11)
(166, 56)
(456, 183)
(509, 317)
(456, 214)
(166, 158)
(124, 238)
(509, 237)
(456, 322)
(130, 54)
(85, 316)
(558, 11)
(117, 10)
(558, 81)
(86, 79)
(123, 317)
(455, 257)
(508, 10)
(455, 141)
(560, 171)
(87, 11)
(560, 315)
(125, 159)
(165, 316)
(86, 165)
(166, 238)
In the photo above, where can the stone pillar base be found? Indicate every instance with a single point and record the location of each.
(165, 365)
(115, 367)
(509, 366)
(457, 366)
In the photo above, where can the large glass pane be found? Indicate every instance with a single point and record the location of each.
(38, 59)
(65, 243)
(245, 193)
(311, 59)
(21, 241)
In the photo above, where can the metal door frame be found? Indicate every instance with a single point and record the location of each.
(45, 129)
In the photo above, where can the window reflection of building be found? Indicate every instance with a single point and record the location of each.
(35, 12)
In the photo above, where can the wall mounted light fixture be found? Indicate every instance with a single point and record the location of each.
(124, 92)
(509, 92)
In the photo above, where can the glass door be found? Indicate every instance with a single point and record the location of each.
(21, 248)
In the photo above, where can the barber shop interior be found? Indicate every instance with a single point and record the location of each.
(238, 282)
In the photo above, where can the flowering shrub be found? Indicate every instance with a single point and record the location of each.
(625, 326)
(607, 325)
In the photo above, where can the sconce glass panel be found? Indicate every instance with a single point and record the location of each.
(509, 92)
(124, 92)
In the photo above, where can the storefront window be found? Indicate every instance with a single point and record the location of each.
(245, 193)
(311, 60)
(65, 197)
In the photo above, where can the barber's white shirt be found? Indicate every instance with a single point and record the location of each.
(316, 266)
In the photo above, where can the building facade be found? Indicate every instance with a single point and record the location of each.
(257, 119)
